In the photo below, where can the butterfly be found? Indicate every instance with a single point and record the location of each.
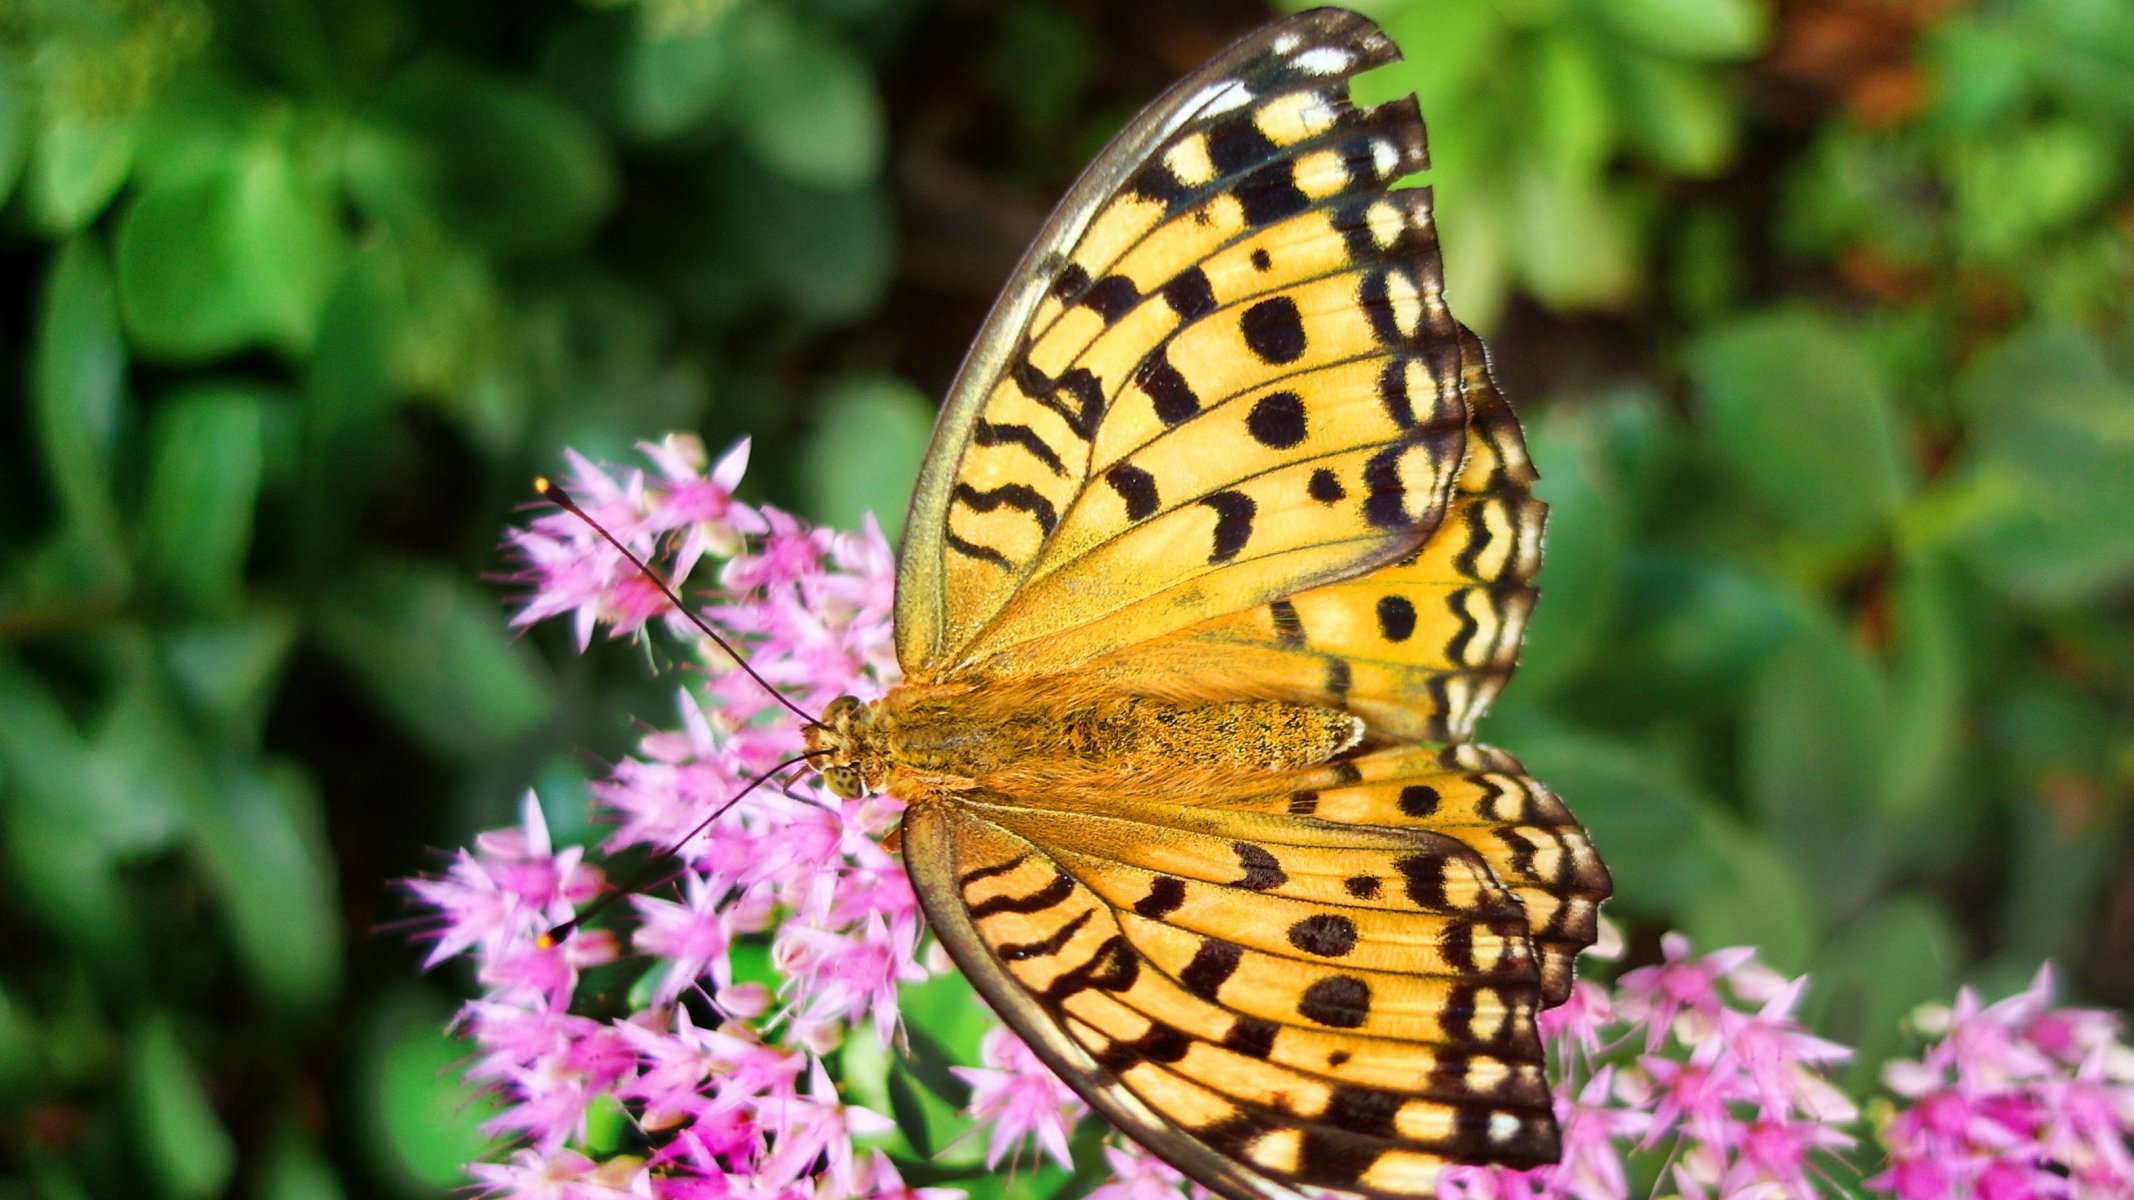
(1223, 542)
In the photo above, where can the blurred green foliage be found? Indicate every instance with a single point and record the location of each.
(1821, 314)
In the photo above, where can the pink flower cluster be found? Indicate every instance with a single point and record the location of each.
(717, 1078)
(1721, 1085)
(2015, 1100)
(725, 1080)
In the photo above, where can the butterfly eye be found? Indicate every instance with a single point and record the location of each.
(840, 711)
(843, 780)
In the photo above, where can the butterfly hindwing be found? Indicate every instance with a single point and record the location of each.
(1230, 317)
(1270, 998)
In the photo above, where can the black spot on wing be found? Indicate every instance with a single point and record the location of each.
(1076, 396)
(1112, 297)
(1325, 487)
(1288, 626)
(1393, 393)
(1457, 944)
(1385, 500)
(1018, 496)
(1363, 887)
(1423, 877)
(977, 873)
(1212, 965)
(1261, 260)
(1261, 870)
(1374, 296)
(1136, 487)
(1418, 800)
(977, 551)
(1328, 935)
(1020, 951)
(1396, 618)
(1251, 1037)
(1303, 803)
(1235, 142)
(1174, 398)
(1233, 524)
(1339, 679)
(1189, 294)
(1157, 182)
(988, 433)
(1069, 284)
(1277, 420)
(1045, 897)
(1337, 1001)
(1365, 1110)
(1165, 894)
(1274, 330)
(1113, 968)
(1269, 194)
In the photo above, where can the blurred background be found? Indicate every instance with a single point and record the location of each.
(1820, 313)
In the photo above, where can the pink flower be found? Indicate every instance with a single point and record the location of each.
(1657, 995)
(1020, 1097)
(1138, 1175)
(2015, 1099)
(787, 930)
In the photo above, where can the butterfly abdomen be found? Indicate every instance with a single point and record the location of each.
(953, 739)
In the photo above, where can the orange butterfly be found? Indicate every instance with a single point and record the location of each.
(1223, 542)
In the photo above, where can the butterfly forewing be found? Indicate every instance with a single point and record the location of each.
(1418, 647)
(1200, 337)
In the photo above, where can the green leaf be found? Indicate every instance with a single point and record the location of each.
(2051, 470)
(499, 162)
(1812, 744)
(15, 113)
(1896, 957)
(432, 652)
(2015, 188)
(1927, 701)
(1805, 421)
(75, 168)
(864, 452)
(826, 254)
(63, 806)
(205, 460)
(805, 102)
(1654, 832)
(1698, 29)
(1761, 897)
(182, 1141)
(1680, 115)
(674, 76)
(78, 390)
(348, 399)
(1587, 536)
(1575, 245)
(240, 255)
(1698, 625)
(297, 1169)
(1573, 105)
(231, 670)
(420, 1122)
(265, 847)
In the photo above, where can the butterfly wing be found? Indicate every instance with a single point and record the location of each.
(1270, 999)
(1419, 647)
(1228, 318)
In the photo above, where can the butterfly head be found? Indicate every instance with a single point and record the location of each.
(839, 746)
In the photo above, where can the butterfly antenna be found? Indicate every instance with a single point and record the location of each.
(662, 866)
(561, 499)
